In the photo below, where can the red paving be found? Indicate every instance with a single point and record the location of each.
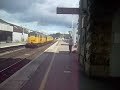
(63, 74)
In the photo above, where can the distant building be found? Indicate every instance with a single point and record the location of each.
(6, 31)
(12, 33)
(20, 34)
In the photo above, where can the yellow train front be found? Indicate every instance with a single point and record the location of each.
(36, 39)
(49, 39)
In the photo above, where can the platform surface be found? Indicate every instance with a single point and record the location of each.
(5, 45)
(55, 69)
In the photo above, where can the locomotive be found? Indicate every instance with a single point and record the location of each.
(36, 39)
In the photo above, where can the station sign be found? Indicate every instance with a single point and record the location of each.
(62, 10)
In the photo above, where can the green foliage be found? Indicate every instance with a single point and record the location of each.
(60, 35)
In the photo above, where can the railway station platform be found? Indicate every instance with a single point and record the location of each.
(54, 69)
(7, 45)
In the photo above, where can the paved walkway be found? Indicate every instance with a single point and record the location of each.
(55, 69)
(56, 73)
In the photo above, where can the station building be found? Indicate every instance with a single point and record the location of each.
(10, 33)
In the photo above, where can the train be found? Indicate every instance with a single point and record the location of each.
(36, 39)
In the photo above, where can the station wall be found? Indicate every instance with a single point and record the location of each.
(19, 37)
(25, 37)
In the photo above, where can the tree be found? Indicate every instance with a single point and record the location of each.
(70, 32)
(58, 34)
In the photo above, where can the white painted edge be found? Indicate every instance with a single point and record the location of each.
(4, 82)
(44, 80)
(11, 46)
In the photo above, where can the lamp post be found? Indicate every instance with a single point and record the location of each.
(23, 32)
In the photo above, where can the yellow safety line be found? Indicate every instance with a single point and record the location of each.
(43, 83)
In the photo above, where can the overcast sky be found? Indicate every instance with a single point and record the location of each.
(38, 14)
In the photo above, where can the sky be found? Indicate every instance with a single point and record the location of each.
(39, 15)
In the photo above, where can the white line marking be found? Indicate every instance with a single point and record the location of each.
(15, 74)
(43, 83)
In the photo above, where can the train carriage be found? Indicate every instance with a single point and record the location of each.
(36, 39)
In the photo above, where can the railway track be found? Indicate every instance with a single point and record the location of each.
(11, 63)
(8, 50)
(8, 71)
